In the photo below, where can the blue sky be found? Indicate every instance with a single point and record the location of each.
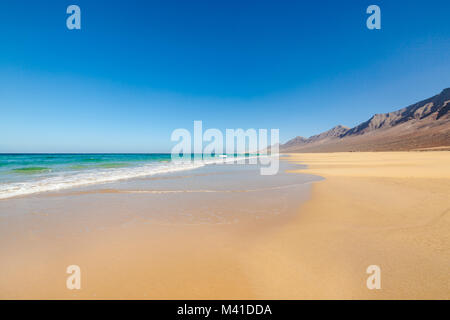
(137, 70)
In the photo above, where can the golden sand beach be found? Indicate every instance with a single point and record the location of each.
(387, 209)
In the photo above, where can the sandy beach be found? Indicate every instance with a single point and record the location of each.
(386, 209)
(389, 209)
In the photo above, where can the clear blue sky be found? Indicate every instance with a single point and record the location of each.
(137, 70)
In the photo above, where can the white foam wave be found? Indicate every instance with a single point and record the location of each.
(97, 176)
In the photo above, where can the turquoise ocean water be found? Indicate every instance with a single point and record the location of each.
(22, 174)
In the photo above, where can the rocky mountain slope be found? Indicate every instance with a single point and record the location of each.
(425, 124)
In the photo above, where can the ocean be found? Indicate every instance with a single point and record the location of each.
(23, 174)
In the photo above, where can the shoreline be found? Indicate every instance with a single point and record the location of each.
(80, 172)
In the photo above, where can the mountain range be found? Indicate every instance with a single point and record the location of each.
(424, 125)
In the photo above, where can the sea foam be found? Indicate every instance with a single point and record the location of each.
(65, 180)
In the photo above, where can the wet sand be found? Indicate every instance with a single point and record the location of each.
(183, 235)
